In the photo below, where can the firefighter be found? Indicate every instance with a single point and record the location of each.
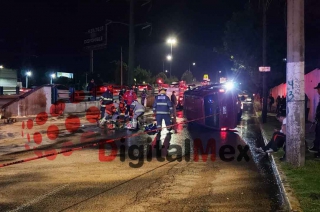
(129, 97)
(110, 113)
(138, 111)
(106, 99)
(162, 108)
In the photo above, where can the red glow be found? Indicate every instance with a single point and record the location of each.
(103, 89)
(223, 129)
(221, 90)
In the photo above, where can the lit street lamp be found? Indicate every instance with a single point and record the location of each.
(171, 41)
(169, 57)
(52, 76)
(28, 74)
(192, 64)
(1, 66)
(166, 71)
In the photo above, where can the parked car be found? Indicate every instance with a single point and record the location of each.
(144, 86)
(118, 88)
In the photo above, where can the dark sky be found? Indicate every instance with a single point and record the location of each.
(47, 35)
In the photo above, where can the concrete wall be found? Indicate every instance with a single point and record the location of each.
(311, 80)
(80, 107)
(36, 102)
(40, 101)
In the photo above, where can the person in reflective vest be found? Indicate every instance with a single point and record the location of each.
(162, 108)
(106, 99)
(110, 113)
(138, 111)
(129, 97)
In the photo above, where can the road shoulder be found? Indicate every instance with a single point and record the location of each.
(289, 196)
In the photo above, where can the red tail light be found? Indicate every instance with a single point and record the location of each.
(221, 90)
(223, 129)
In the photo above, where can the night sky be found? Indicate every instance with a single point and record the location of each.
(47, 36)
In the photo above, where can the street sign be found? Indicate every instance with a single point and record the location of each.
(205, 77)
(264, 69)
(96, 37)
(65, 74)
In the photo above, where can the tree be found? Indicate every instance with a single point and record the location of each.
(172, 79)
(141, 75)
(243, 43)
(162, 76)
(187, 76)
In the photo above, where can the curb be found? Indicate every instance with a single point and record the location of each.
(277, 174)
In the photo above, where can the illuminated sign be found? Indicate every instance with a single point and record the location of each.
(206, 77)
(264, 69)
(64, 74)
(223, 80)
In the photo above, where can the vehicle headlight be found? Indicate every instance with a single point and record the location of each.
(229, 85)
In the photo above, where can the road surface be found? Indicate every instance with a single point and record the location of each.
(83, 181)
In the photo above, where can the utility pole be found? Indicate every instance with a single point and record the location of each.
(163, 67)
(295, 144)
(91, 60)
(264, 61)
(131, 44)
(171, 61)
(121, 68)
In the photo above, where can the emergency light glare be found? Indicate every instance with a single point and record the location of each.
(229, 85)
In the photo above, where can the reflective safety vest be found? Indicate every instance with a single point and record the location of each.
(162, 105)
(137, 107)
(106, 98)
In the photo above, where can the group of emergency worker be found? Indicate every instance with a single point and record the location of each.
(128, 106)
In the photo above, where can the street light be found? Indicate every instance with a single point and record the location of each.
(1, 66)
(171, 41)
(166, 71)
(192, 64)
(28, 74)
(169, 57)
(52, 76)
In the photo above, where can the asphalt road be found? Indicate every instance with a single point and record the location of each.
(85, 180)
